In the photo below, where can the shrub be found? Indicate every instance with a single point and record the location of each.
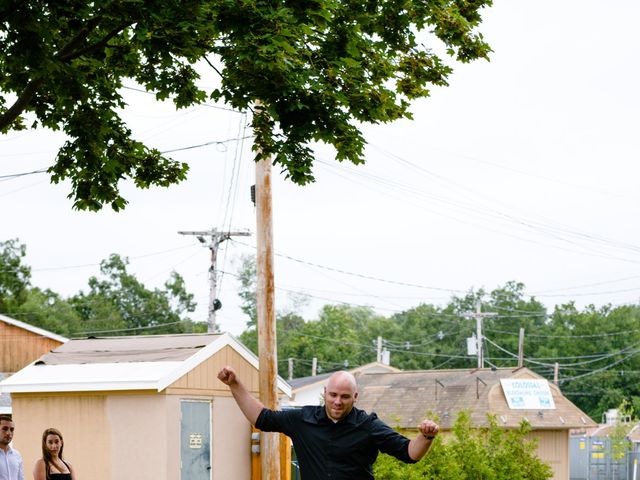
(491, 453)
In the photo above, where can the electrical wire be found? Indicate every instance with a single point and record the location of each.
(359, 275)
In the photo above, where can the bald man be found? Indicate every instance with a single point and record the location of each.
(337, 440)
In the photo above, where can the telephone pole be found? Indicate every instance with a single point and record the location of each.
(479, 316)
(265, 305)
(521, 348)
(216, 238)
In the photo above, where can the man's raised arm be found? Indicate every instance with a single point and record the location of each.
(249, 405)
(419, 446)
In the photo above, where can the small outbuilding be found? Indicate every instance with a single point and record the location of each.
(403, 399)
(140, 407)
(21, 344)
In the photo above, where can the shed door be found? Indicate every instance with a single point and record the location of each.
(195, 440)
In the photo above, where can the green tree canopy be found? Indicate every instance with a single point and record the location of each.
(116, 303)
(119, 301)
(15, 276)
(317, 68)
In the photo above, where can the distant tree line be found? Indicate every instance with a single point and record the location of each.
(596, 349)
(115, 303)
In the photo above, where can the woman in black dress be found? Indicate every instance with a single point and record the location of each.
(52, 466)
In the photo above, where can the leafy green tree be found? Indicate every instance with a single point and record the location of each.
(426, 337)
(585, 343)
(625, 422)
(597, 355)
(46, 309)
(15, 276)
(18, 299)
(316, 67)
(247, 290)
(336, 339)
(510, 307)
(489, 453)
(120, 302)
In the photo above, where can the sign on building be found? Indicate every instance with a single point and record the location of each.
(527, 394)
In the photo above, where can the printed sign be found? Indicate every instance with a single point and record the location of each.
(527, 394)
(195, 440)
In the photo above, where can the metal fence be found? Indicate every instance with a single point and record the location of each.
(591, 458)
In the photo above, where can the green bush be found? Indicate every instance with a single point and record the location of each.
(491, 453)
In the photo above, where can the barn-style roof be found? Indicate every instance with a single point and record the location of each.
(150, 362)
(36, 330)
(403, 399)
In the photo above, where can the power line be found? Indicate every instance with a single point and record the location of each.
(206, 144)
(84, 265)
(547, 228)
(569, 336)
(607, 367)
(173, 150)
(11, 176)
(359, 275)
(217, 107)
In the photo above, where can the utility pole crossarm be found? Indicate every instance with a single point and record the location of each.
(479, 316)
(217, 237)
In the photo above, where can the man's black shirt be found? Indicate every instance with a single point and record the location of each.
(345, 450)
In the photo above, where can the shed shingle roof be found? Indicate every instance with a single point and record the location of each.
(150, 362)
(152, 348)
(404, 399)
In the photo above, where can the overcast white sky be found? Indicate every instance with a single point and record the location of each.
(524, 168)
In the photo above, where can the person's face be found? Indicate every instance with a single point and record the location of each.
(339, 396)
(53, 443)
(6, 432)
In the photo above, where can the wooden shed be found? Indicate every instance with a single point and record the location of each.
(142, 407)
(403, 399)
(21, 344)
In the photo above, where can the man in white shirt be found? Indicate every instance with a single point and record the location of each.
(11, 467)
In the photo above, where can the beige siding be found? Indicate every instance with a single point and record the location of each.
(20, 347)
(139, 443)
(553, 449)
(203, 380)
(83, 422)
(231, 441)
(114, 435)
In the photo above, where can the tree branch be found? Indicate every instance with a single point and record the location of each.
(66, 53)
(79, 38)
(23, 100)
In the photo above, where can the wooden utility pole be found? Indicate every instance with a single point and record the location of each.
(521, 348)
(216, 239)
(267, 353)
